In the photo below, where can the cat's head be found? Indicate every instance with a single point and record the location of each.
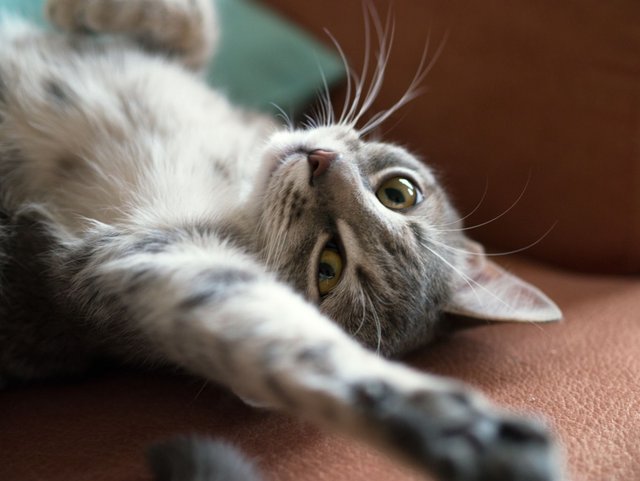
(365, 230)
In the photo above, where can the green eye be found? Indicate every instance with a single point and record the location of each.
(329, 270)
(398, 193)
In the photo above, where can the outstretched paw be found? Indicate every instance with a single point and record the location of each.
(457, 437)
(185, 28)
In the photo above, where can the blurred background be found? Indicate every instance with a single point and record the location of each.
(531, 116)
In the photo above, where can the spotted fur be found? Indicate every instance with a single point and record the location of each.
(145, 219)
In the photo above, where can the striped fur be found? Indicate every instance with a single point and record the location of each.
(145, 219)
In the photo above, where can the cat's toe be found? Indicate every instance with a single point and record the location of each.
(491, 447)
(458, 437)
(510, 449)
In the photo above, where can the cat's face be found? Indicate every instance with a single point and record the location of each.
(369, 235)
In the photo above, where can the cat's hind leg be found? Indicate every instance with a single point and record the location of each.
(185, 29)
(190, 299)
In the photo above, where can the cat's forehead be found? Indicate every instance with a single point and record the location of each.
(378, 156)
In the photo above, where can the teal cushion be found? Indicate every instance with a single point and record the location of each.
(262, 60)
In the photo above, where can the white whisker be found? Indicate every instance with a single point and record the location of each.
(378, 325)
(350, 75)
(310, 121)
(361, 80)
(468, 280)
(413, 90)
(496, 254)
(324, 100)
(363, 303)
(385, 37)
(357, 102)
(283, 115)
(473, 211)
(502, 214)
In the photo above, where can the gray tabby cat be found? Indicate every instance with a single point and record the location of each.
(145, 219)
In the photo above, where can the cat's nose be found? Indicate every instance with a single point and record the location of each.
(320, 160)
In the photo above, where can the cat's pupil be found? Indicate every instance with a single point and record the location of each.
(325, 271)
(394, 195)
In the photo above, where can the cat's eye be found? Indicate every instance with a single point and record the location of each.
(398, 193)
(329, 268)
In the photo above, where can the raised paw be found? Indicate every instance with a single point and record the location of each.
(185, 28)
(456, 436)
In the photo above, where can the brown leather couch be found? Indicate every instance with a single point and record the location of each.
(537, 101)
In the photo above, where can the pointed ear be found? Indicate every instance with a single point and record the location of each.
(490, 293)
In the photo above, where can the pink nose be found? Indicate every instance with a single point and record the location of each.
(320, 160)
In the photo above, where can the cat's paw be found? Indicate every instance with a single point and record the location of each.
(185, 28)
(457, 436)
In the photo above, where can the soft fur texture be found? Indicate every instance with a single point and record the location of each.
(145, 219)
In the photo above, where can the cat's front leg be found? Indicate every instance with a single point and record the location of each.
(192, 300)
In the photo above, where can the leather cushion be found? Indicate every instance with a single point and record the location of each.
(581, 374)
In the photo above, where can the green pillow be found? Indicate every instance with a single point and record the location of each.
(262, 60)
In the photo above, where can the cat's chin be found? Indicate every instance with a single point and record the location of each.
(284, 159)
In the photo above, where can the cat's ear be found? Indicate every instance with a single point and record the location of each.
(489, 293)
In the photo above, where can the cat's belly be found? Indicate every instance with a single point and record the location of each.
(122, 137)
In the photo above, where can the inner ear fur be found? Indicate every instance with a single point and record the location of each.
(485, 292)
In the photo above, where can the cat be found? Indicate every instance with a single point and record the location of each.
(145, 219)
